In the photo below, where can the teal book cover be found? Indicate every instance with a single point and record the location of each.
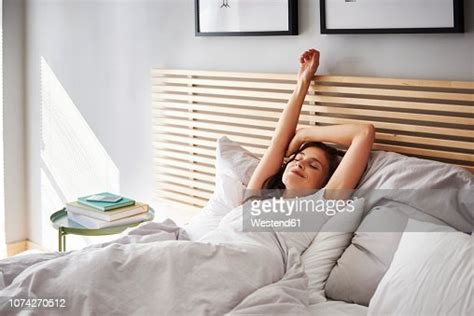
(105, 206)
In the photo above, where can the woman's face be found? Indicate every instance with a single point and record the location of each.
(309, 170)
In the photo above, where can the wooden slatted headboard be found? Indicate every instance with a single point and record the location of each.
(192, 109)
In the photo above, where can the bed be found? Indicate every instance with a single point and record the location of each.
(428, 119)
(210, 128)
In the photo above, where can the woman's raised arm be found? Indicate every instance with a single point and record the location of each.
(285, 130)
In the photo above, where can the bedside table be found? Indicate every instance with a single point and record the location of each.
(66, 226)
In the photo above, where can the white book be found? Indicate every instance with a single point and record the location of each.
(90, 222)
(80, 209)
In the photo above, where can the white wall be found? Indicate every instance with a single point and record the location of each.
(102, 51)
(14, 120)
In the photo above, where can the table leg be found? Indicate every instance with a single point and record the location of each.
(60, 240)
(64, 241)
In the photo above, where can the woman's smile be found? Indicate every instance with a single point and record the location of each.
(297, 172)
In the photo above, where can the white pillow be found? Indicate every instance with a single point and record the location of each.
(234, 160)
(431, 274)
(328, 245)
(234, 167)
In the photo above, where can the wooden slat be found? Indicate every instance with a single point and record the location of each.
(205, 152)
(181, 197)
(216, 109)
(201, 151)
(423, 140)
(188, 157)
(204, 195)
(165, 139)
(469, 168)
(164, 81)
(222, 74)
(395, 115)
(400, 127)
(270, 105)
(189, 140)
(398, 82)
(164, 114)
(397, 93)
(212, 135)
(217, 127)
(425, 152)
(189, 182)
(183, 164)
(189, 174)
(401, 105)
(224, 92)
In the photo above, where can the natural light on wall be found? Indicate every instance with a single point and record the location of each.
(73, 161)
(2, 178)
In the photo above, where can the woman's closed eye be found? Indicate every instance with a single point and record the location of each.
(298, 157)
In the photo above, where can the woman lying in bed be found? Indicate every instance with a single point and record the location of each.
(227, 270)
(312, 164)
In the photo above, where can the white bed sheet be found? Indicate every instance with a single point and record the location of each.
(337, 308)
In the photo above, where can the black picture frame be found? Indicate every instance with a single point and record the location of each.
(292, 24)
(458, 24)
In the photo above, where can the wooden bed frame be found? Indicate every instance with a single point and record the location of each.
(192, 109)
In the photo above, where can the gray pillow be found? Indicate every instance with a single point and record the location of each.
(438, 189)
(363, 264)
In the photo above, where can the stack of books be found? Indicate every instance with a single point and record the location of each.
(105, 210)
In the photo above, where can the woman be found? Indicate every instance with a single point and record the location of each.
(313, 165)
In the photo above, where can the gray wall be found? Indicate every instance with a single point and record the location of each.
(102, 52)
(14, 119)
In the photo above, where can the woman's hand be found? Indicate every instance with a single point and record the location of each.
(296, 142)
(309, 63)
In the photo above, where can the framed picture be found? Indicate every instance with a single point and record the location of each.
(391, 16)
(246, 17)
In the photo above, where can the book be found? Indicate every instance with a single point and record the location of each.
(105, 206)
(104, 198)
(80, 209)
(90, 222)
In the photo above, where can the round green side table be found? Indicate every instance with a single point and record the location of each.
(65, 226)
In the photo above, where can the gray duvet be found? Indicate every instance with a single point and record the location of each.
(154, 270)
